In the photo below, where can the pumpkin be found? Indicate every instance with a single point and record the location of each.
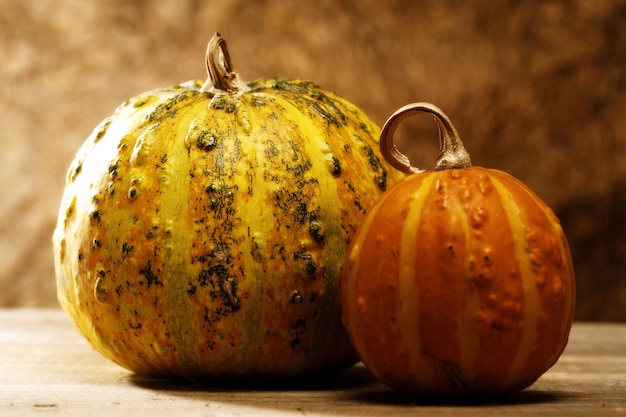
(203, 227)
(459, 282)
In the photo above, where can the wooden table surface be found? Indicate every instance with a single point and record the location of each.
(47, 368)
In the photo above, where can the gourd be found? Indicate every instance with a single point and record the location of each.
(460, 281)
(203, 227)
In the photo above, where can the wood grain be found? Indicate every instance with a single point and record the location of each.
(47, 367)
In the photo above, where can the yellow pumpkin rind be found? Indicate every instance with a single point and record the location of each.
(202, 234)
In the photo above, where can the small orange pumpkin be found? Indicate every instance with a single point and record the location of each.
(459, 282)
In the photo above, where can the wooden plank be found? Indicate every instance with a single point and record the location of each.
(46, 366)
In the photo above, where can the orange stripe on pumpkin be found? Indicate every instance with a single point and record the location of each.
(493, 277)
(352, 285)
(440, 279)
(472, 222)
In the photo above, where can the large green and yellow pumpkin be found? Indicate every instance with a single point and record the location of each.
(459, 282)
(203, 226)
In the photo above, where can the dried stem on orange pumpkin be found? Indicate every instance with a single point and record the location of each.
(452, 153)
(222, 76)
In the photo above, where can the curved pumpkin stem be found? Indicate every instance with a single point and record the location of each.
(452, 153)
(222, 76)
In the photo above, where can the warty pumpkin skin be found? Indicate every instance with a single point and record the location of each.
(203, 227)
(460, 281)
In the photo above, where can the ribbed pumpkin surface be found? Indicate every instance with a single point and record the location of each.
(459, 283)
(202, 233)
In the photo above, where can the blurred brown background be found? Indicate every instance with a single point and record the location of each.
(537, 89)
